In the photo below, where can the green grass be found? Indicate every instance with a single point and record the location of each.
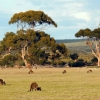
(76, 84)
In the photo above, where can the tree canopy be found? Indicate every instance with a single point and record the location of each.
(89, 33)
(92, 40)
(37, 20)
(32, 46)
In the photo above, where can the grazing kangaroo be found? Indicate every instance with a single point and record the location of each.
(34, 86)
(89, 71)
(64, 72)
(30, 72)
(2, 82)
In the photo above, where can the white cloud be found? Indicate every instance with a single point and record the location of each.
(70, 15)
(83, 16)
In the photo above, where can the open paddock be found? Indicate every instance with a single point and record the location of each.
(76, 84)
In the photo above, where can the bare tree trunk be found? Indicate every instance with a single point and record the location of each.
(99, 61)
(23, 56)
(96, 53)
(24, 51)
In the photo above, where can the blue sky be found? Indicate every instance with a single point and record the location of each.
(70, 15)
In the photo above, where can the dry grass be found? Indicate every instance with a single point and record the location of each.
(76, 84)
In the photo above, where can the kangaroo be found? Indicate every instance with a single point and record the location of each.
(89, 71)
(34, 86)
(2, 82)
(64, 72)
(30, 72)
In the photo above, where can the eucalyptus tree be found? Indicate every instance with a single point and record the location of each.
(35, 20)
(30, 41)
(92, 40)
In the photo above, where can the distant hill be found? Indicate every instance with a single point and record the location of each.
(69, 40)
(75, 45)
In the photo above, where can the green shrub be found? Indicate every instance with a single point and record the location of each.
(78, 63)
(94, 61)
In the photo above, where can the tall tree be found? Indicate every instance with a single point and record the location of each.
(30, 42)
(92, 40)
(36, 20)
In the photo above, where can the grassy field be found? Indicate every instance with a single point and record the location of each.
(76, 84)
